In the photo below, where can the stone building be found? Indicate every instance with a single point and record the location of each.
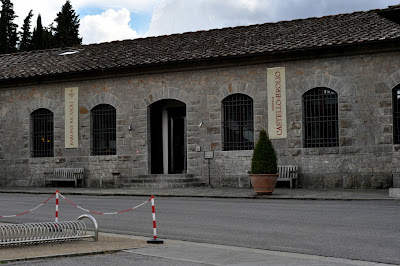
(149, 108)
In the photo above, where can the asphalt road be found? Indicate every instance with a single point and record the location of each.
(362, 230)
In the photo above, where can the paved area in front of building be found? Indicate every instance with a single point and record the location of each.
(106, 243)
(208, 192)
(131, 250)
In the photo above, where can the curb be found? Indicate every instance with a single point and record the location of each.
(63, 255)
(204, 195)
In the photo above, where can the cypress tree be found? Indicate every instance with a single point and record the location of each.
(26, 35)
(48, 38)
(37, 37)
(42, 37)
(66, 33)
(8, 29)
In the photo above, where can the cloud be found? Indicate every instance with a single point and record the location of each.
(177, 16)
(131, 5)
(47, 9)
(109, 26)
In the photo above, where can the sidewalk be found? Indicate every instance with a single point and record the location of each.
(128, 250)
(205, 192)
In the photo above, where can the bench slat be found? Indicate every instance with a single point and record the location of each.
(288, 173)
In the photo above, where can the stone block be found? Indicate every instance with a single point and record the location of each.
(350, 150)
(394, 192)
(333, 181)
(349, 181)
(363, 181)
(381, 181)
(313, 181)
(295, 152)
(384, 139)
(385, 103)
(396, 77)
(396, 180)
(345, 142)
(390, 82)
(381, 87)
(319, 151)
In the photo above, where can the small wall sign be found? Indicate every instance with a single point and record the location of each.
(208, 155)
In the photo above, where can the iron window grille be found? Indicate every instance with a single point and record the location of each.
(237, 123)
(320, 118)
(104, 130)
(42, 133)
(396, 115)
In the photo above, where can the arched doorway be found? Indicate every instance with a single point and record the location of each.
(167, 126)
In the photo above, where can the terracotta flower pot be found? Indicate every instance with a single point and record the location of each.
(263, 184)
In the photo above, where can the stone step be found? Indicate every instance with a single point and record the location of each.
(155, 180)
(161, 176)
(163, 181)
(162, 185)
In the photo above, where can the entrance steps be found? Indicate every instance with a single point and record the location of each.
(163, 181)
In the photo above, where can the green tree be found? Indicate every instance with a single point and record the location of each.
(66, 33)
(264, 159)
(48, 37)
(8, 29)
(42, 37)
(26, 34)
(37, 37)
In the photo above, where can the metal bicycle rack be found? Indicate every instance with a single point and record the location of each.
(29, 233)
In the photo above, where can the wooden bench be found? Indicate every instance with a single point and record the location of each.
(288, 173)
(66, 174)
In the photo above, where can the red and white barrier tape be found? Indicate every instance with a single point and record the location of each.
(8, 216)
(106, 213)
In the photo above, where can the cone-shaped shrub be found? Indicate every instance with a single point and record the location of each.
(264, 159)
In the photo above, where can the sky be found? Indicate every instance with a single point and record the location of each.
(105, 20)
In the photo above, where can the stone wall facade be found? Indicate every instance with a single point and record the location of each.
(365, 158)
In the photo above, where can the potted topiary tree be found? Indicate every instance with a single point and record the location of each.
(264, 166)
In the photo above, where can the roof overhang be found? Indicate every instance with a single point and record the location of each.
(278, 57)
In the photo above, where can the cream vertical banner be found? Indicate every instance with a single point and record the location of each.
(71, 117)
(276, 91)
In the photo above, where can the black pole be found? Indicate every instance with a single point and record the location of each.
(209, 173)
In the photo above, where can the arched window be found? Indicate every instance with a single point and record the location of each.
(42, 133)
(396, 115)
(320, 118)
(237, 123)
(104, 130)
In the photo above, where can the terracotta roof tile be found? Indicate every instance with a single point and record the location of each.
(328, 31)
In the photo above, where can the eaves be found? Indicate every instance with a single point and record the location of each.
(275, 57)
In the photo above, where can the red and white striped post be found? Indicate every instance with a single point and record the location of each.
(155, 240)
(56, 206)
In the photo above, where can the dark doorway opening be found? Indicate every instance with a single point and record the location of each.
(167, 137)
